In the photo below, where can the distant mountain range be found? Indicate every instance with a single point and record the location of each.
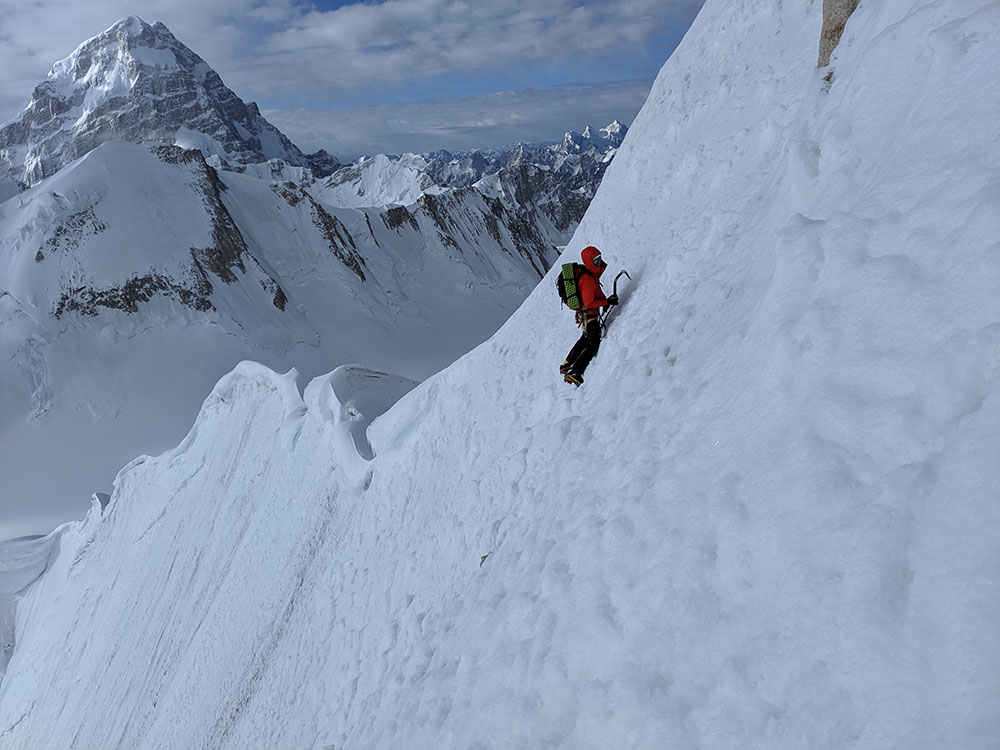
(577, 163)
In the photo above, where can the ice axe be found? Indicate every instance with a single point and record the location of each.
(614, 292)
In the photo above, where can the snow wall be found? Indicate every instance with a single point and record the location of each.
(768, 519)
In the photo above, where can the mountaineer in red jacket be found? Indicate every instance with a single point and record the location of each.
(588, 317)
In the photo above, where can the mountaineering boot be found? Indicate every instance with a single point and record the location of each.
(564, 367)
(572, 377)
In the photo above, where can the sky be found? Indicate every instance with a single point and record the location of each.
(388, 77)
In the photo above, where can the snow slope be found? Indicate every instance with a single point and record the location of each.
(768, 519)
(132, 280)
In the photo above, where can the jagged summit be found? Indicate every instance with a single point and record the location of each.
(615, 132)
(136, 82)
(599, 142)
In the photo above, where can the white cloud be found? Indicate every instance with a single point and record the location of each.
(454, 124)
(407, 39)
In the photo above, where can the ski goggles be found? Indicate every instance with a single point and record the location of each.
(599, 262)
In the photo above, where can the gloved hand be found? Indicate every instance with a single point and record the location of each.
(612, 300)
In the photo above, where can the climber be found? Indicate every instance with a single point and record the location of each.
(588, 316)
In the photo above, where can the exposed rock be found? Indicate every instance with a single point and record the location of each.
(337, 236)
(73, 229)
(396, 216)
(835, 15)
(87, 300)
(455, 212)
(533, 188)
(289, 191)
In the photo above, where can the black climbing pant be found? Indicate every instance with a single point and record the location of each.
(585, 349)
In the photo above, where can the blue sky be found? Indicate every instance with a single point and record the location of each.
(396, 75)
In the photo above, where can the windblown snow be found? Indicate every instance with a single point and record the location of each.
(768, 519)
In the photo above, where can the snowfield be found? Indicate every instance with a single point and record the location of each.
(769, 518)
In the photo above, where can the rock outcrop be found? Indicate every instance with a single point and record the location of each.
(835, 15)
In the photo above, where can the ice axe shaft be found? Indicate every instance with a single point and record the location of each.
(621, 273)
(614, 291)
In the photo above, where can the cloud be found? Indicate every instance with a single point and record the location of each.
(402, 40)
(500, 119)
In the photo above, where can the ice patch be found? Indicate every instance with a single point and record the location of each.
(192, 139)
(155, 57)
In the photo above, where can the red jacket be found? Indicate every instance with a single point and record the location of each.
(591, 294)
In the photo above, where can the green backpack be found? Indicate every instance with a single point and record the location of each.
(568, 285)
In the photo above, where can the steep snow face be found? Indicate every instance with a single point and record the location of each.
(768, 519)
(136, 82)
(138, 276)
(380, 181)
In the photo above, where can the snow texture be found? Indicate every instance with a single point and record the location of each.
(767, 520)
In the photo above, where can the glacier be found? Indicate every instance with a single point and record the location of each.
(768, 519)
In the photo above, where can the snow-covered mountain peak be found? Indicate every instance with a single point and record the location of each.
(614, 133)
(381, 180)
(602, 141)
(126, 47)
(136, 82)
(571, 141)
